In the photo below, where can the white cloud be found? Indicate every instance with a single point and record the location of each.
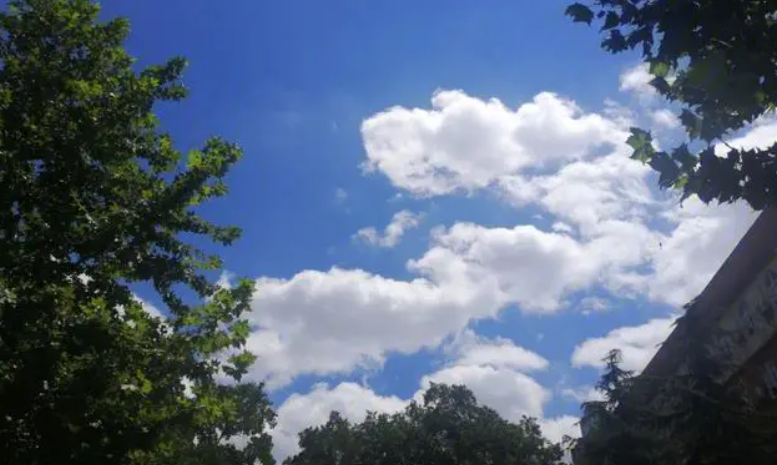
(583, 394)
(300, 411)
(493, 369)
(488, 367)
(761, 135)
(335, 321)
(463, 143)
(637, 344)
(511, 393)
(471, 349)
(637, 80)
(665, 118)
(149, 308)
(400, 223)
(225, 279)
(701, 239)
(561, 227)
(555, 429)
(587, 193)
(527, 266)
(589, 305)
(339, 320)
(533, 268)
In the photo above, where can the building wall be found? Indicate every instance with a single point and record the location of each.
(759, 373)
(746, 336)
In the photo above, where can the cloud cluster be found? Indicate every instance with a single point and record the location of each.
(611, 230)
(463, 143)
(338, 320)
(492, 368)
(606, 204)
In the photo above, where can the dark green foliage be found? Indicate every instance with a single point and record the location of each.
(92, 199)
(449, 427)
(717, 60)
(616, 428)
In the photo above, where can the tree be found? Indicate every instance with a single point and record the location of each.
(716, 59)
(448, 427)
(94, 198)
(616, 430)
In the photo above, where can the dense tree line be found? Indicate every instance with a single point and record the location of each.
(447, 427)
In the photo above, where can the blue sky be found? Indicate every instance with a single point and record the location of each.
(530, 244)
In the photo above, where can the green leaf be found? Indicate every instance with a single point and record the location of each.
(666, 167)
(692, 123)
(580, 13)
(611, 21)
(659, 68)
(642, 143)
(616, 42)
(684, 158)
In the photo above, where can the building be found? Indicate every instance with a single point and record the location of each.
(739, 308)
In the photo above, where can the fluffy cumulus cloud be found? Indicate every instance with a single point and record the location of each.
(464, 143)
(587, 192)
(338, 320)
(300, 411)
(511, 393)
(605, 203)
(527, 266)
(492, 368)
(400, 223)
(665, 119)
(637, 80)
(637, 344)
(762, 135)
(335, 321)
(471, 349)
(701, 239)
(582, 394)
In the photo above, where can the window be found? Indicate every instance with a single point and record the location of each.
(769, 373)
(746, 323)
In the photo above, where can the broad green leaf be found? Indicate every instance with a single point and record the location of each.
(659, 68)
(612, 20)
(580, 13)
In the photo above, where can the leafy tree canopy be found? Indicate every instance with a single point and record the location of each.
(94, 197)
(718, 60)
(448, 427)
